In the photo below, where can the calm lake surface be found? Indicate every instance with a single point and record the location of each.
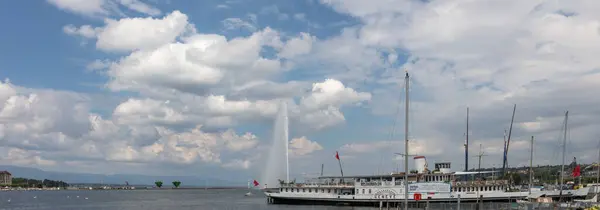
(164, 200)
(142, 199)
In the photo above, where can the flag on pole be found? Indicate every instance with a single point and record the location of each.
(255, 183)
(577, 171)
(337, 156)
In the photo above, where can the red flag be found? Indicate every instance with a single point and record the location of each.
(577, 171)
(337, 156)
(255, 183)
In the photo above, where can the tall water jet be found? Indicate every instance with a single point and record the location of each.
(278, 160)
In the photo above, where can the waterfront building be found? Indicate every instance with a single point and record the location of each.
(5, 178)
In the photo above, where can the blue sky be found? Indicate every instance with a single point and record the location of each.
(194, 85)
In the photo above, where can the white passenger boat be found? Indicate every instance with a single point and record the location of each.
(432, 187)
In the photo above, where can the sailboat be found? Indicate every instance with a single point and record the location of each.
(249, 193)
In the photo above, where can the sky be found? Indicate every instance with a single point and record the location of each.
(182, 87)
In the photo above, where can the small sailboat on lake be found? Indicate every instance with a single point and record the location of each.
(249, 193)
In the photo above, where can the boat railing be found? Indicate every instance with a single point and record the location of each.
(319, 185)
(486, 182)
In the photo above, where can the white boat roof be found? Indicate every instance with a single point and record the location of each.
(473, 172)
(402, 175)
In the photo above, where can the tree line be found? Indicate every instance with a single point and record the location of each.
(159, 184)
(24, 182)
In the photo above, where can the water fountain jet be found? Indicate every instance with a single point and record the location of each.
(277, 167)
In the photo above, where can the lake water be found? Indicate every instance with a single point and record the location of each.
(142, 200)
(164, 200)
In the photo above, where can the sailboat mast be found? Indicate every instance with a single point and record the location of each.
(505, 161)
(598, 166)
(531, 166)
(564, 150)
(406, 86)
(322, 165)
(467, 144)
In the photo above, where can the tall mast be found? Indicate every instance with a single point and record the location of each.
(504, 152)
(505, 161)
(481, 154)
(562, 168)
(598, 166)
(531, 166)
(467, 144)
(406, 86)
(322, 165)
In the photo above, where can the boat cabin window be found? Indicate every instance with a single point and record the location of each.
(309, 190)
(328, 190)
(303, 190)
(370, 191)
(363, 191)
(322, 190)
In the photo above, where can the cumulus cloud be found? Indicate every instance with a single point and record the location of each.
(46, 127)
(303, 146)
(332, 93)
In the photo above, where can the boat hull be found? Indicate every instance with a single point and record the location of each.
(358, 200)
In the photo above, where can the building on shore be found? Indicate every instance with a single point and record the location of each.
(5, 178)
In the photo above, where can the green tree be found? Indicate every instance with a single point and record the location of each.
(176, 184)
(158, 184)
(516, 178)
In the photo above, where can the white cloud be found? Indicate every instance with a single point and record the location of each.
(85, 7)
(130, 34)
(322, 118)
(332, 92)
(297, 46)
(303, 146)
(23, 158)
(50, 127)
(142, 33)
(199, 60)
(146, 111)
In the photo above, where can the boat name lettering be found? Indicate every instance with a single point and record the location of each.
(384, 196)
